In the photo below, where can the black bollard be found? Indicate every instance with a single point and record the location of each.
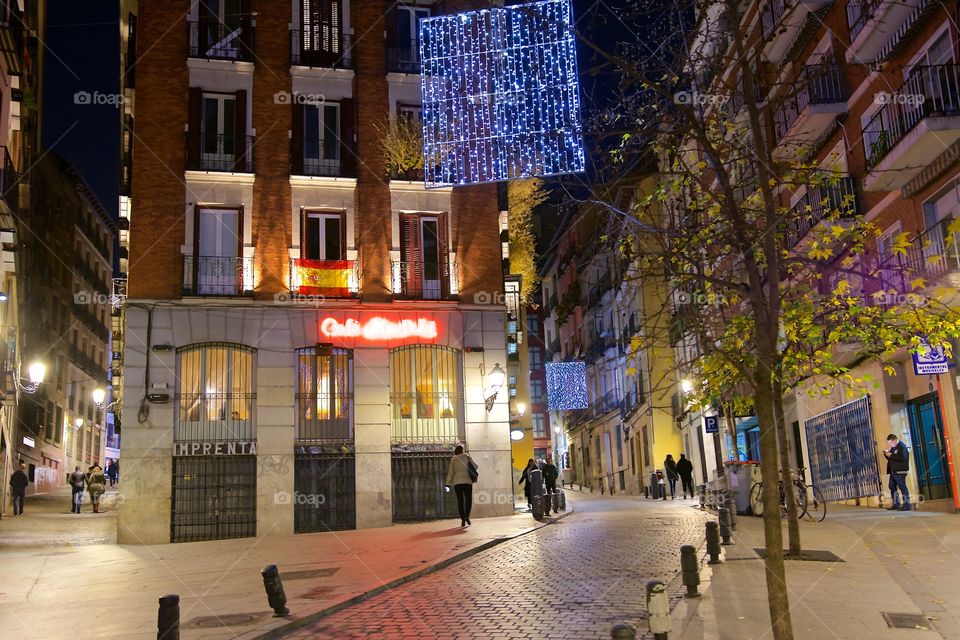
(563, 501)
(690, 568)
(276, 598)
(723, 515)
(555, 499)
(168, 618)
(713, 542)
(547, 501)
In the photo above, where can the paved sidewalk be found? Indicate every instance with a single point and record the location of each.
(83, 590)
(892, 563)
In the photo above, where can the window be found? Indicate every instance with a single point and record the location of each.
(323, 236)
(886, 240)
(408, 32)
(646, 448)
(536, 391)
(424, 269)
(320, 40)
(540, 453)
(539, 428)
(425, 392)
(533, 325)
(412, 112)
(216, 266)
(619, 437)
(218, 128)
(597, 459)
(215, 393)
(321, 139)
(536, 358)
(324, 394)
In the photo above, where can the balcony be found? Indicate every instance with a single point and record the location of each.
(219, 152)
(212, 39)
(418, 281)
(325, 278)
(334, 161)
(935, 253)
(11, 36)
(606, 403)
(782, 22)
(914, 126)
(88, 364)
(404, 57)
(217, 276)
(321, 48)
(879, 28)
(9, 184)
(817, 205)
(809, 110)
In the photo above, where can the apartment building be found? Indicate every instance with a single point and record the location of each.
(308, 333)
(868, 91)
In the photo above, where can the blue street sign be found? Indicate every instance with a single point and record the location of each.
(930, 361)
(711, 424)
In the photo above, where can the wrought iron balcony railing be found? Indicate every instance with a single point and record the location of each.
(9, 182)
(819, 203)
(219, 152)
(858, 15)
(213, 39)
(217, 275)
(935, 251)
(817, 84)
(404, 57)
(424, 281)
(321, 47)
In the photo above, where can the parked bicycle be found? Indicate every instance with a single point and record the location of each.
(810, 501)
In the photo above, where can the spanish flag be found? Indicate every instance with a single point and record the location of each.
(322, 277)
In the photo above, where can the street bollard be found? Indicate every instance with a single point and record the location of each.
(563, 501)
(535, 478)
(547, 501)
(623, 631)
(703, 497)
(272, 584)
(723, 515)
(555, 500)
(168, 618)
(658, 609)
(713, 542)
(690, 567)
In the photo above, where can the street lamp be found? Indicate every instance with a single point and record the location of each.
(98, 396)
(495, 379)
(521, 408)
(516, 435)
(78, 423)
(686, 385)
(36, 372)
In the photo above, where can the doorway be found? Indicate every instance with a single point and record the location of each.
(929, 448)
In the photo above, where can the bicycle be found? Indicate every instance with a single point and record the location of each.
(817, 506)
(800, 490)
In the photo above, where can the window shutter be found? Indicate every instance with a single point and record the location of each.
(193, 127)
(296, 141)
(410, 253)
(246, 26)
(443, 228)
(243, 162)
(348, 160)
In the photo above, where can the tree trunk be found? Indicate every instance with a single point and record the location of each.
(786, 474)
(777, 597)
(731, 420)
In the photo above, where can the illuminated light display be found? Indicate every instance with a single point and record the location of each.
(378, 329)
(500, 94)
(566, 385)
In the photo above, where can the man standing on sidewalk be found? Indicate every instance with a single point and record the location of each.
(18, 484)
(78, 481)
(685, 469)
(550, 474)
(898, 464)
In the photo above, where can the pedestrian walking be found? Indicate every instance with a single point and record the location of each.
(78, 482)
(670, 466)
(96, 485)
(18, 485)
(550, 474)
(898, 464)
(525, 481)
(112, 472)
(685, 469)
(461, 474)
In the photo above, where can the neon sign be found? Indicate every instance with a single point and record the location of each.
(379, 329)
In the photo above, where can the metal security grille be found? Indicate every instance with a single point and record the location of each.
(215, 394)
(425, 392)
(324, 394)
(325, 492)
(843, 453)
(214, 498)
(418, 493)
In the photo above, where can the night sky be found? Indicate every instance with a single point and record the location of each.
(82, 54)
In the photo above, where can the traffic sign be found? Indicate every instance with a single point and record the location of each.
(711, 424)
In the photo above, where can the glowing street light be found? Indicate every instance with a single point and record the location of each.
(98, 396)
(686, 385)
(521, 408)
(37, 371)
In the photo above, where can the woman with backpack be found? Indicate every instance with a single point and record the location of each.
(461, 474)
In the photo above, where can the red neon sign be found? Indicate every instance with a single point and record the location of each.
(379, 329)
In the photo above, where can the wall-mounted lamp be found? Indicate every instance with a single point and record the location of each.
(495, 380)
(78, 423)
(686, 385)
(521, 408)
(36, 372)
(98, 396)
(516, 435)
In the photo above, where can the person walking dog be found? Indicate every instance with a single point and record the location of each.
(461, 474)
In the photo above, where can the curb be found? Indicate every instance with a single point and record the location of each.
(310, 618)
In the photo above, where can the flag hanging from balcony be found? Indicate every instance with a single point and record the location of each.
(321, 277)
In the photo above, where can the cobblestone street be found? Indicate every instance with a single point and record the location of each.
(574, 579)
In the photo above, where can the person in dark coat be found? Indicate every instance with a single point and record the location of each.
(525, 481)
(550, 474)
(685, 469)
(113, 470)
(670, 466)
(898, 464)
(18, 485)
(78, 482)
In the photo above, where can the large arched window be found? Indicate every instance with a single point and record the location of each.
(215, 392)
(426, 394)
(324, 394)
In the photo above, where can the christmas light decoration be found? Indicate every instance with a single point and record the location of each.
(500, 94)
(566, 385)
